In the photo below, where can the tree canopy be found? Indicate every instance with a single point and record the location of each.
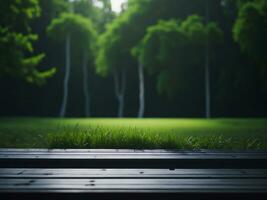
(250, 30)
(69, 23)
(172, 49)
(16, 41)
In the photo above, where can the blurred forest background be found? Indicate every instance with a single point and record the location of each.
(154, 58)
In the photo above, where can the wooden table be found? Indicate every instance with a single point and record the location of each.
(132, 174)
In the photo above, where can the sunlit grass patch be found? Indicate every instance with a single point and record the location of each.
(95, 138)
(134, 133)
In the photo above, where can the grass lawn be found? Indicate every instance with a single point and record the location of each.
(134, 133)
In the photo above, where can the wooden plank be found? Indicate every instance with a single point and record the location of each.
(91, 150)
(100, 153)
(58, 158)
(161, 195)
(73, 161)
(131, 151)
(129, 156)
(133, 185)
(134, 173)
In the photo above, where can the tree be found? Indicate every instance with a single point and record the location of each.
(156, 52)
(136, 52)
(207, 66)
(139, 15)
(66, 27)
(123, 34)
(87, 38)
(250, 31)
(16, 41)
(172, 49)
(114, 58)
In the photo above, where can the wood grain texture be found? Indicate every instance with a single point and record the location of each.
(131, 174)
(134, 173)
(133, 185)
(58, 158)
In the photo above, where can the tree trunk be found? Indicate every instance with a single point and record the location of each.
(121, 105)
(207, 68)
(141, 91)
(120, 86)
(85, 85)
(67, 78)
(207, 82)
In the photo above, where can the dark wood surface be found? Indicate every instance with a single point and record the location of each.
(133, 185)
(127, 174)
(41, 158)
(134, 173)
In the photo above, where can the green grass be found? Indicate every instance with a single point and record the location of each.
(134, 133)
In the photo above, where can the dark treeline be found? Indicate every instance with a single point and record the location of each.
(172, 42)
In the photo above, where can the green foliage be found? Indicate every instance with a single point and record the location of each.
(33, 76)
(121, 35)
(170, 48)
(84, 8)
(51, 9)
(113, 46)
(126, 31)
(250, 30)
(100, 15)
(16, 41)
(79, 27)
